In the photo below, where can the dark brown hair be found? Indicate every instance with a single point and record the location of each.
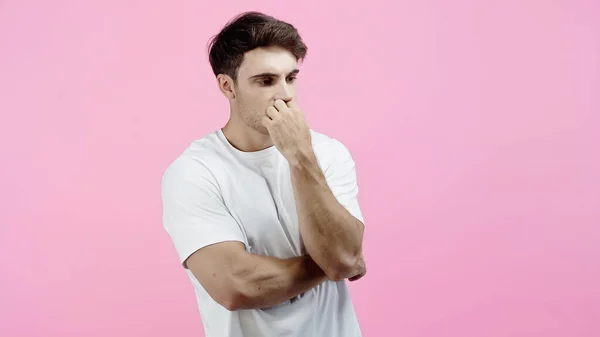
(248, 31)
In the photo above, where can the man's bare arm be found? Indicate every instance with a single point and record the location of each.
(332, 236)
(239, 280)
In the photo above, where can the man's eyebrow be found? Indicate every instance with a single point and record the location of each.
(293, 72)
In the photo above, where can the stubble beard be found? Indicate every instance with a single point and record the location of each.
(251, 118)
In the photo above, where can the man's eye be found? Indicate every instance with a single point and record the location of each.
(291, 78)
(266, 82)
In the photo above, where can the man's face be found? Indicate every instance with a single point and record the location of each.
(266, 74)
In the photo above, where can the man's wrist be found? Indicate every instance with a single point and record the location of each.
(302, 157)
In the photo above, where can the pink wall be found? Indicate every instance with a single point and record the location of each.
(475, 126)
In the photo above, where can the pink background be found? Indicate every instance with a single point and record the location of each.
(475, 126)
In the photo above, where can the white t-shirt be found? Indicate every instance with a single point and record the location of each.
(213, 193)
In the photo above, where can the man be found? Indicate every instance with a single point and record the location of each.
(263, 213)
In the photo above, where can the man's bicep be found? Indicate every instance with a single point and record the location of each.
(214, 265)
(194, 214)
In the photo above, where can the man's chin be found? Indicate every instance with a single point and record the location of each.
(258, 128)
(262, 130)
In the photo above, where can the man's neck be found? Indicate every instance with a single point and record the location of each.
(245, 138)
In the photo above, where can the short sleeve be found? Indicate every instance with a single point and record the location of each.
(194, 214)
(341, 178)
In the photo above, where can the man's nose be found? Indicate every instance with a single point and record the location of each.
(284, 93)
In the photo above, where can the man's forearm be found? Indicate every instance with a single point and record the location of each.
(267, 281)
(332, 236)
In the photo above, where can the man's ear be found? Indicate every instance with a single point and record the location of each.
(226, 86)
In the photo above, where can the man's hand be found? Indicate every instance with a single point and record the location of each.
(288, 129)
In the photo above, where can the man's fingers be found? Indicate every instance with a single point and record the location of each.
(267, 122)
(294, 108)
(280, 105)
(292, 105)
(272, 112)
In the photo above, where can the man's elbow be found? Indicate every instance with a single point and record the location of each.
(234, 300)
(231, 294)
(231, 302)
(344, 267)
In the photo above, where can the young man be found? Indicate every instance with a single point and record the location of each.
(263, 213)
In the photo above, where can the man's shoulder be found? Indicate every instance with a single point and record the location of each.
(326, 145)
(196, 159)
